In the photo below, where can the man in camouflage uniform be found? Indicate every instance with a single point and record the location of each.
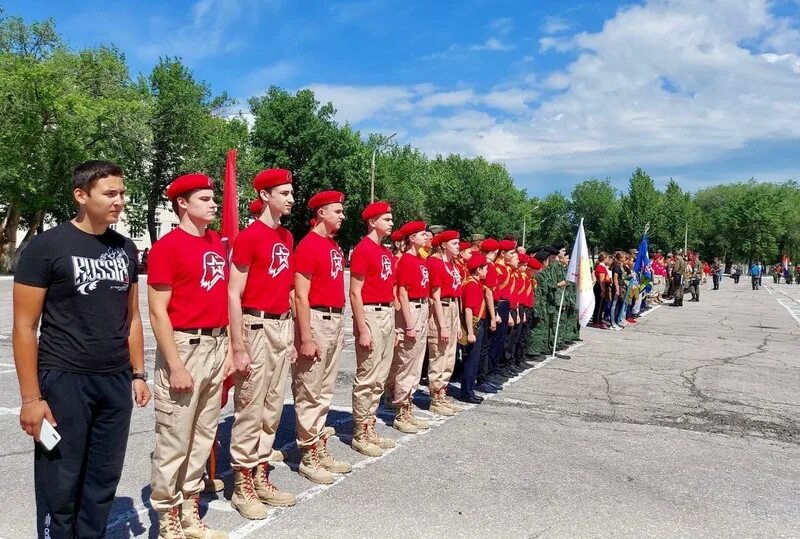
(537, 345)
(678, 276)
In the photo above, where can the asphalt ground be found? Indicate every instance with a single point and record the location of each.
(685, 425)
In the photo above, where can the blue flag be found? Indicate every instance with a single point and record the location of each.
(642, 260)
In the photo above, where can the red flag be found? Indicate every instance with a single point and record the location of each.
(230, 229)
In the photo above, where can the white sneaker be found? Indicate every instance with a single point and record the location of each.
(616, 327)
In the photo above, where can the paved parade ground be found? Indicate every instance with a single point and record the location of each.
(686, 425)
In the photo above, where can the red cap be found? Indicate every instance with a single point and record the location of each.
(375, 209)
(324, 198)
(412, 227)
(507, 245)
(476, 261)
(523, 258)
(397, 235)
(267, 179)
(464, 246)
(489, 244)
(445, 236)
(188, 182)
(256, 206)
(534, 263)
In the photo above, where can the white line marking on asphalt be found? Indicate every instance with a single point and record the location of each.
(651, 309)
(789, 309)
(9, 411)
(8, 371)
(769, 289)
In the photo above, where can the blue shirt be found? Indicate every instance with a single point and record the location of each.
(755, 270)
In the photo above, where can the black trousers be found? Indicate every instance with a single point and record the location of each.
(498, 337)
(677, 290)
(599, 304)
(715, 279)
(756, 282)
(524, 335)
(512, 336)
(472, 358)
(76, 482)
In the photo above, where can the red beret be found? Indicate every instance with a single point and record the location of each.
(523, 258)
(188, 182)
(445, 236)
(325, 197)
(412, 227)
(375, 209)
(267, 179)
(397, 235)
(507, 245)
(476, 261)
(464, 246)
(489, 244)
(534, 263)
(256, 206)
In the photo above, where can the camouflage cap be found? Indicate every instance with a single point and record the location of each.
(435, 229)
(477, 237)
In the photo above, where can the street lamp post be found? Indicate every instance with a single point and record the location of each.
(372, 175)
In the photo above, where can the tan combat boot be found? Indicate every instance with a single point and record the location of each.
(325, 456)
(193, 527)
(212, 485)
(383, 443)
(450, 403)
(421, 424)
(276, 456)
(244, 499)
(439, 406)
(403, 420)
(269, 493)
(311, 468)
(363, 442)
(169, 524)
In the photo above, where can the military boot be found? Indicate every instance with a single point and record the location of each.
(403, 420)
(244, 499)
(439, 406)
(212, 485)
(362, 441)
(169, 524)
(311, 468)
(269, 493)
(276, 456)
(193, 527)
(450, 403)
(325, 456)
(420, 423)
(383, 443)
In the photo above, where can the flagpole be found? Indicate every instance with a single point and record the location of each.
(524, 221)
(558, 320)
(686, 240)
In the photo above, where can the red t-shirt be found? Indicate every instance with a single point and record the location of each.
(502, 289)
(412, 274)
(376, 264)
(445, 276)
(491, 279)
(196, 270)
(268, 253)
(472, 296)
(321, 259)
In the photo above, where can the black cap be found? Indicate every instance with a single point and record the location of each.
(541, 256)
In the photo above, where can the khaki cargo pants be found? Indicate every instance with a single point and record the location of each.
(258, 399)
(186, 423)
(313, 380)
(408, 355)
(441, 354)
(372, 367)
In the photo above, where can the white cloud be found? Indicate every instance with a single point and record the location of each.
(666, 83)
(492, 44)
(502, 26)
(357, 103)
(555, 25)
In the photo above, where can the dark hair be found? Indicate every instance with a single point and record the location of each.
(89, 172)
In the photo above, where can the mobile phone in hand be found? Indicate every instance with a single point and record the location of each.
(48, 436)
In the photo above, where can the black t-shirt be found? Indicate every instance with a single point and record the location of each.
(85, 315)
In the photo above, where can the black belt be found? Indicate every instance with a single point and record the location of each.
(330, 310)
(206, 332)
(266, 315)
(447, 301)
(418, 303)
(377, 305)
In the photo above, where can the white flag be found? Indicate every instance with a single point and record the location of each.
(579, 272)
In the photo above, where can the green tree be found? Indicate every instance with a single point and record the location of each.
(595, 201)
(638, 208)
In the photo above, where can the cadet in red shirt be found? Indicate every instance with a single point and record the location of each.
(319, 335)
(443, 321)
(474, 301)
(372, 283)
(487, 370)
(501, 294)
(411, 324)
(188, 298)
(262, 339)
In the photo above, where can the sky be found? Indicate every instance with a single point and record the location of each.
(702, 91)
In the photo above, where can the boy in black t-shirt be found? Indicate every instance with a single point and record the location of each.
(80, 278)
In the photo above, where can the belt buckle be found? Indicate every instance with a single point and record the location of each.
(216, 332)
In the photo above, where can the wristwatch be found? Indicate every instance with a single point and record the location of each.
(140, 376)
